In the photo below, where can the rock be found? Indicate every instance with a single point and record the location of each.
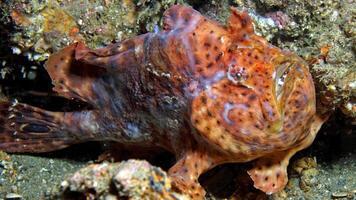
(132, 179)
(308, 179)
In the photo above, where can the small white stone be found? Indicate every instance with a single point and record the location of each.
(64, 184)
(16, 50)
(80, 22)
(12, 196)
(36, 57)
(334, 16)
(349, 106)
(352, 85)
(99, 8)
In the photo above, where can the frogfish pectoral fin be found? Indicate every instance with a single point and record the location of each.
(269, 173)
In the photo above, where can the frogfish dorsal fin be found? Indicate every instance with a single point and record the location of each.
(179, 16)
(239, 23)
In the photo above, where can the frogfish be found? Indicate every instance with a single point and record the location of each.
(207, 92)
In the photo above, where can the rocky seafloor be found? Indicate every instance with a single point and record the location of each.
(322, 32)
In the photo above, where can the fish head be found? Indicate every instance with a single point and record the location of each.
(253, 95)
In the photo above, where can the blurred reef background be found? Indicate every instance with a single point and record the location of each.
(323, 32)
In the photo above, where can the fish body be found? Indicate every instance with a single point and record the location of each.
(209, 93)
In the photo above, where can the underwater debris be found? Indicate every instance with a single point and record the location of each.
(132, 179)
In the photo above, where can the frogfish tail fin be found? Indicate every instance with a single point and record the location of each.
(24, 128)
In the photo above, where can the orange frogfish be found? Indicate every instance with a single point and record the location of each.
(209, 93)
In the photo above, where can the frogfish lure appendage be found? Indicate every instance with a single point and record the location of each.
(208, 93)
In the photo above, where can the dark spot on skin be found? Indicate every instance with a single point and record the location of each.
(218, 57)
(209, 65)
(193, 33)
(266, 178)
(205, 20)
(196, 121)
(256, 57)
(206, 44)
(209, 113)
(224, 85)
(203, 99)
(211, 32)
(243, 21)
(185, 170)
(218, 122)
(249, 54)
(195, 165)
(61, 58)
(222, 137)
(56, 66)
(197, 61)
(193, 187)
(207, 55)
(250, 62)
(297, 104)
(244, 94)
(252, 97)
(273, 185)
(61, 81)
(229, 50)
(277, 175)
(208, 128)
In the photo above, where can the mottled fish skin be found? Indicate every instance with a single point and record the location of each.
(207, 92)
